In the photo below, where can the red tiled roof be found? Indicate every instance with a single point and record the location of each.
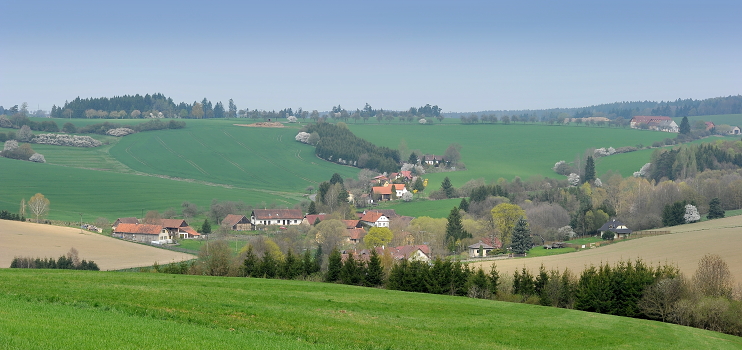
(648, 119)
(173, 223)
(233, 219)
(350, 223)
(371, 216)
(190, 231)
(128, 220)
(406, 173)
(145, 229)
(388, 189)
(278, 214)
(312, 218)
(356, 234)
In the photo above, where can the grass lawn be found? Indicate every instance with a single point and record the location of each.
(86, 310)
(424, 207)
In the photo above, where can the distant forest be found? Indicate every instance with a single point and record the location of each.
(158, 105)
(675, 109)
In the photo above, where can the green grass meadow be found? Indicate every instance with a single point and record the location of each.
(215, 159)
(43, 309)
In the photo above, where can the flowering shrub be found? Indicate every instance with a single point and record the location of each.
(573, 179)
(38, 158)
(66, 140)
(643, 171)
(302, 137)
(291, 119)
(118, 132)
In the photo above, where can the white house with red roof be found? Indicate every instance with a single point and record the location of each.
(375, 219)
(386, 191)
(660, 123)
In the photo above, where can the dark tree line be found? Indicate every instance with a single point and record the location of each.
(340, 145)
(683, 162)
(63, 262)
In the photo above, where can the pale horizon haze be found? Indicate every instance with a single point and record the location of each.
(463, 56)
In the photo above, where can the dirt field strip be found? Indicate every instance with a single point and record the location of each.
(47, 241)
(683, 248)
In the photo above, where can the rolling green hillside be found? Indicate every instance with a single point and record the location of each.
(217, 160)
(45, 309)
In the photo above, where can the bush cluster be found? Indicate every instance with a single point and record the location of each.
(6, 215)
(66, 140)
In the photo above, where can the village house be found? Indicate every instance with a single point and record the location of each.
(710, 125)
(432, 159)
(237, 222)
(124, 221)
(411, 252)
(659, 123)
(284, 217)
(616, 227)
(375, 219)
(480, 250)
(145, 233)
(385, 192)
(735, 130)
(355, 235)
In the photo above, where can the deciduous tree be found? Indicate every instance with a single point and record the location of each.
(505, 217)
(377, 237)
(39, 206)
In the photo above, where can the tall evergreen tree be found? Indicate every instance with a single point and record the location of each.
(206, 227)
(455, 229)
(374, 272)
(715, 209)
(312, 210)
(250, 264)
(521, 237)
(336, 178)
(464, 205)
(334, 265)
(448, 188)
(589, 169)
(685, 126)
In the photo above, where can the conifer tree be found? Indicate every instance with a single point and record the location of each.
(715, 209)
(589, 170)
(684, 126)
(374, 272)
(250, 264)
(206, 227)
(521, 237)
(312, 210)
(334, 265)
(464, 205)
(349, 273)
(455, 229)
(447, 188)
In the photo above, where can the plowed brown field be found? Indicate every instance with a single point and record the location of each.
(683, 248)
(46, 241)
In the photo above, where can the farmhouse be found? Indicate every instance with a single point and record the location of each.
(276, 217)
(616, 227)
(386, 191)
(432, 159)
(710, 125)
(237, 222)
(735, 131)
(411, 252)
(375, 219)
(660, 123)
(145, 233)
(124, 221)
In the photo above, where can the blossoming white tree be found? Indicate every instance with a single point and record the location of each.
(573, 179)
(691, 214)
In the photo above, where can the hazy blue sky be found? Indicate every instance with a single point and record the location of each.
(461, 55)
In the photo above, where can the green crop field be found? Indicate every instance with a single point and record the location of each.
(46, 309)
(214, 159)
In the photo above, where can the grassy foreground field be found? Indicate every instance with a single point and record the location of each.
(47, 241)
(684, 248)
(76, 310)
